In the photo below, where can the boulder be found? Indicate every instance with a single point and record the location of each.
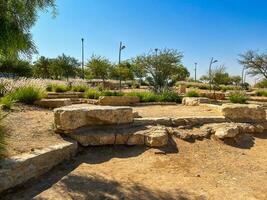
(194, 101)
(69, 118)
(243, 112)
(136, 139)
(229, 130)
(53, 103)
(118, 100)
(156, 138)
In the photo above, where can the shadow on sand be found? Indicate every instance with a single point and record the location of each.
(93, 155)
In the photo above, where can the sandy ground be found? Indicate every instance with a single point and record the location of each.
(207, 169)
(175, 111)
(28, 128)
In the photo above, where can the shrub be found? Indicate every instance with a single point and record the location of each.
(261, 84)
(28, 94)
(49, 87)
(54, 87)
(168, 96)
(261, 93)
(7, 101)
(111, 93)
(238, 97)
(192, 93)
(79, 88)
(144, 96)
(92, 94)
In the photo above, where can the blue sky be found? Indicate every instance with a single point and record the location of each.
(201, 29)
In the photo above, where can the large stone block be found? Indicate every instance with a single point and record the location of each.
(53, 103)
(75, 116)
(118, 100)
(21, 168)
(194, 101)
(243, 112)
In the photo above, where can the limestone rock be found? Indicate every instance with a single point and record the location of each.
(75, 116)
(118, 100)
(243, 112)
(227, 131)
(156, 138)
(53, 103)
(194, 101)
(136, 139)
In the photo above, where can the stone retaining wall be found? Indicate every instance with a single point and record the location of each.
(19, 169)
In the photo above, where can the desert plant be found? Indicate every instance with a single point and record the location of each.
(28, 94)
(79, 88)
(238, 97)
(7, 101)
(192, 93)
(111, 93)
(261, 93)
(57, 87)
(92, 94)
(169, 96)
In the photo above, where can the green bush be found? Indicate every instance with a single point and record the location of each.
(92, 94)
(168, 96)
(238, 97)
(7, 101)
(28, 94)
(261, 93)
(261, 84)
(111, 93)
(54, 87)
(192, 93)
(49, 87)
(79, 88)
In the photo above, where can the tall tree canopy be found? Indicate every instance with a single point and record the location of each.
(160, 66)
(98, 67)
(16, 19)
(255, 63)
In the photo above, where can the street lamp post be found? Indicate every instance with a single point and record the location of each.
(195, 72)
(83, 57)
(211, 62)
(120, 49)
(243, 76)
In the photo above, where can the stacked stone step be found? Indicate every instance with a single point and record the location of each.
(93, 125)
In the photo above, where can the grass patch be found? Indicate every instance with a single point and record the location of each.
(79, 88)
(7, 101)
(28, 94)
(238, 97)
(53, 87)
(92, 94)
(261, 93)
(192, 93)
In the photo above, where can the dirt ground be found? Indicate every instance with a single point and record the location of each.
(31, 127)
(207, 169)
(175, 111)
(28, 128)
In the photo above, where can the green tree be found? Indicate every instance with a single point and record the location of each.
(98, 67)
(138, 71)
(42, 68)
(15, 67)
(181, 74)
(255, 63)
(160, 66)
(64, 66)
(123, 71)
(16, 19)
